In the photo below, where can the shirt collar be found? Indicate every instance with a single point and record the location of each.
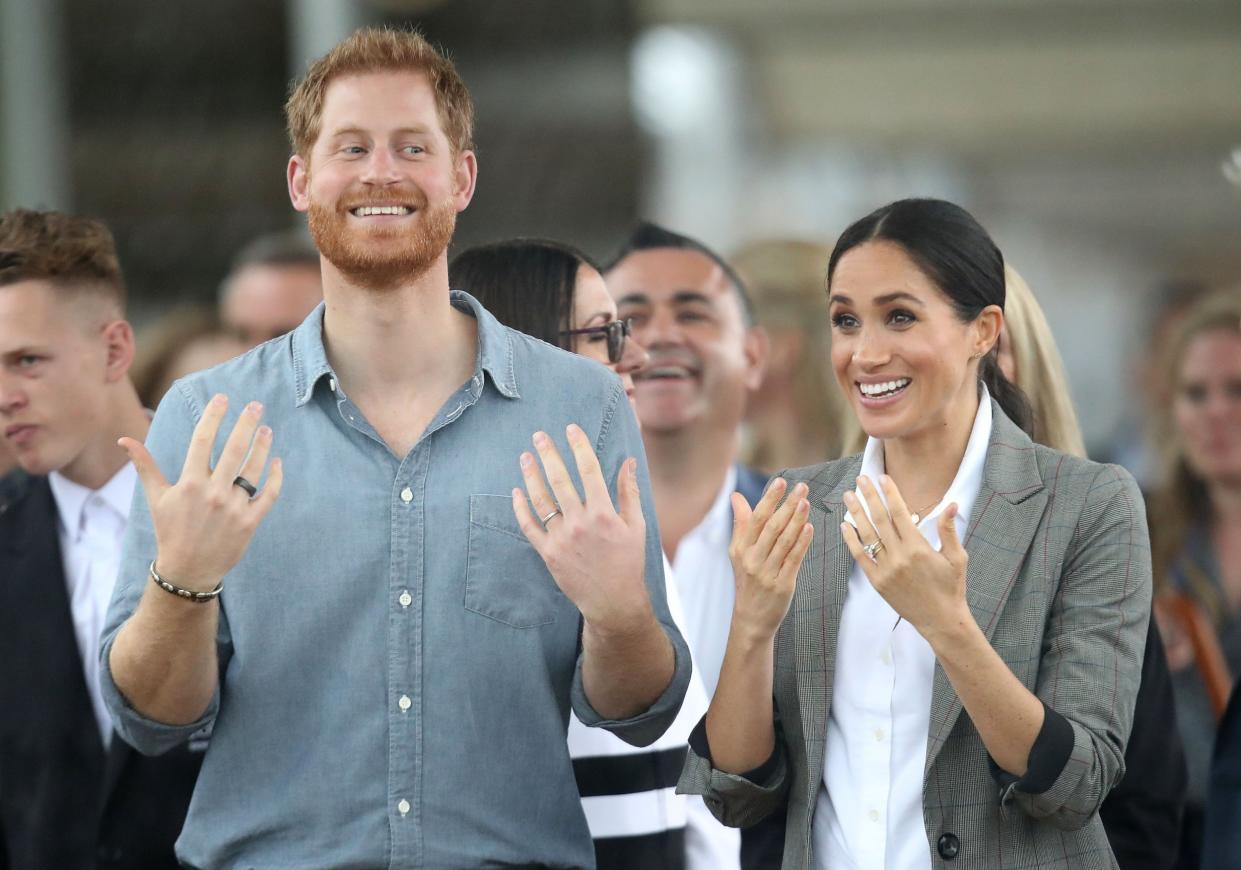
(71, 497)
(494, 356)
(968, 480)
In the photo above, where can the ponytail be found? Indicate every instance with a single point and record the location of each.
(1012, 400)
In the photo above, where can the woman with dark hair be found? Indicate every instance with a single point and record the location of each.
(951, 674)
(555, 293)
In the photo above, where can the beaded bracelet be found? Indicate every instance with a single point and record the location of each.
(189, 594)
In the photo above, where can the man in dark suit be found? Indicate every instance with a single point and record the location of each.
(692, 312)
(72, 794)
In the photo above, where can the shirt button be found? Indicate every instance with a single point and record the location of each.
(886, 658)
(406, 599)
(402, 807)
(407, 495)
(879, 735)
(404, 703)
(874, 815)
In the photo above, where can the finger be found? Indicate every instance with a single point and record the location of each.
(237, 446)
(536, 489)
(252, 468)
(763, 510)
(950, 544)
(902, 522)
(594, 485)
(530, 526)
(153, 482)
(854, 543)
(879, 517)
(781, 519)
(267, 496)
(861, 522)
(789, 534)
(796, 555)
(557, 474)
(741, 517)
(627, 492)
(202, 441)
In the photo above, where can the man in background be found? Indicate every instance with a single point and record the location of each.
(72, 793)
(691, 311)
(273, 285)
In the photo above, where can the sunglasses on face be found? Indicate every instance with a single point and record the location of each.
(617, 331)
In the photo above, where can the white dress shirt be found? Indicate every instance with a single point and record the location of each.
(868, 814)
(704, 580)
(709, 845)
(92, 524)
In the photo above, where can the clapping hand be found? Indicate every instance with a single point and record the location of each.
(204, 522)
(595, 553)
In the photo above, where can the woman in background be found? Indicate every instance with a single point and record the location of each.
(555, 293)
(1196, 526)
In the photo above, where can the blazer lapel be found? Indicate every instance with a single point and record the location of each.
(1010, 506)
(821, 587)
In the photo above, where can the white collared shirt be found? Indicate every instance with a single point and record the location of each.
(92, 525)
(868, 814)
(704, 580)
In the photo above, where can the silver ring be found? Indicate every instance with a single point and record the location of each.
(245, 484)
(872, 549)
(551, 516)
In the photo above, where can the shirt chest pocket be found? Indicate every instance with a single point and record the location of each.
(505, 579)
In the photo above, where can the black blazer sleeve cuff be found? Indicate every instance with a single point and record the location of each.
(760, 775)
(1048, 756)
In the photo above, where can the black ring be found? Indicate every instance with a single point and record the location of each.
(246, 485)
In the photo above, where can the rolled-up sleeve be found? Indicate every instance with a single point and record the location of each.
(737, 800)
(1092, 659)
(619, 438)
(167, 440)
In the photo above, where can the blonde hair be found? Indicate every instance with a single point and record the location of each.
(1040, 373)
(381, 49)
(786, 279)
(1181, 501)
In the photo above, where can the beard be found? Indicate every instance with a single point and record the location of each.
(382, 257)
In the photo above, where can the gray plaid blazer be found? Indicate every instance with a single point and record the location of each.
(1059, 578)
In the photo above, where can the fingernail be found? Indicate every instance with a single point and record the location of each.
(525, 460)
(633, 467)
(219, 399)
(255, 407)
(264, 431)
(573, 430)
(802, 489)
(541, 439)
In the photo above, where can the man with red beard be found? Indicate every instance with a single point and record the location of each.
(387, 626)
(691, 311)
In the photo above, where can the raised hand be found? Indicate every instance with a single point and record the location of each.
(767, 549)
(925, 586)
(205, 521)
(595, 553)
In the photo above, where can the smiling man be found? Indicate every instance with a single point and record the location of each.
(385, 637)
(693, 314)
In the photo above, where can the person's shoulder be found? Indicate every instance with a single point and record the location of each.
(1067, 468)
(824, 477)
(537, 361)
(259, 373)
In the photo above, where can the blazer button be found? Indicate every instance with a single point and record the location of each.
(949, 847)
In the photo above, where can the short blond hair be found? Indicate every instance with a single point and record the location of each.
(68, 251)
(381, 49)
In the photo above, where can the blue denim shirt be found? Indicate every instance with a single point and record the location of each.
(396, 662)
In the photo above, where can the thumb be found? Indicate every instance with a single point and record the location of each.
(741, 515)
(627, 492)
(950, 544)
(153, 482)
